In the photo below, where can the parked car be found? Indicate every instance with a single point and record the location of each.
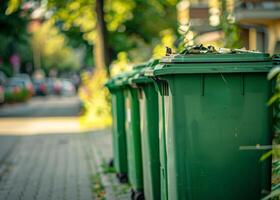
(2, 94)
(53, 86)
(16, 90)
(28, 83)
(15, 84)
(67, 88)
(40, 87)
(3, 80)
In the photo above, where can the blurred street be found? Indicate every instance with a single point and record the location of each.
(41, 115)
(44, 154)
(49, 106)
(56, 166)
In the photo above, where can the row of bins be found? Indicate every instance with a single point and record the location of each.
(192, 126)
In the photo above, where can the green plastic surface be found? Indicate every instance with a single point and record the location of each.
(119, 137)
(135, 170)
(118, 127)
(148, 99)
(133, 136)
(214, 63)
(217, 58)
(140, 77)
(211, 121)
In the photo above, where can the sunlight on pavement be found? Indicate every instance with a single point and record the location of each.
(40, 125)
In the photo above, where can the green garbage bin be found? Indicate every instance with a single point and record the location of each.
(118, 127)
(162, 146)
(216, 120)
(132, 125)
(148, 99)
(162, 136)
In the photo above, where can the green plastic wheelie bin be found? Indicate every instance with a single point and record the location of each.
(118, 127)
(162, 136)
(133, 137)
(216, 120)
(148, 102)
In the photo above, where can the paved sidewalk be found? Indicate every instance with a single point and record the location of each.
(7, 144)
(59, 167)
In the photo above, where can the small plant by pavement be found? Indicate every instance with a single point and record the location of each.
(106, 168)
(98, 189)
(274, 101)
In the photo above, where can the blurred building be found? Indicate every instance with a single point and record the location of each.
(193, 16)
(202, 16)
(259, 21)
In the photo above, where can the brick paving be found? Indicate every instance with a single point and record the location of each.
(6, 145)
(59, 167)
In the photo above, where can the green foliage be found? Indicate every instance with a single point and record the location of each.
(274, 193)
(273, 99)
(6, 70)
(98, 189)
(53, 48)
(142, 32)
(273, 73)
(132, 36)
(14, 23)
(14, 97)
(130, 23)
(75, 13)
(13, 35)
(274, 76)
(106, 169)
(266, 155)
(12, 6)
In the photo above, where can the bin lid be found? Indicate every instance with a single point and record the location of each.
(140, 77)
(139, 66)
(127, 77)
(114, 82)
(108, 83)
(199, 59)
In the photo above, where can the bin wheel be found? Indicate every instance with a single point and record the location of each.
(111, 163)
(139, 196)
(122, 177)
(132, 194)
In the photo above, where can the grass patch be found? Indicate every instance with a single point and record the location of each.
(106, 169)
(98, 189)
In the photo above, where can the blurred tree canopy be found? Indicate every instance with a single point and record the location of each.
(13, 37)
(37, 41)
(120, 32)
(133, 26)
(53, 48)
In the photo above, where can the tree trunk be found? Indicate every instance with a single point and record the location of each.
(101, 50)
